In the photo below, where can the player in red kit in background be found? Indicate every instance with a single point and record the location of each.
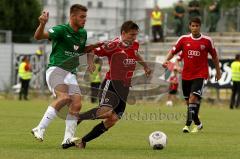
(195, 48)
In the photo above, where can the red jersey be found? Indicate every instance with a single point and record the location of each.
(173, 83)
(195, 55)
(121, 58)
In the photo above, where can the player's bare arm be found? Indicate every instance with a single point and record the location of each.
(91, 67)
(147, 70)
(218, 70)
(168, 58)
(40, 33)
(90, 47)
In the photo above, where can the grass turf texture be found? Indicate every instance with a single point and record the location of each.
(126, 140)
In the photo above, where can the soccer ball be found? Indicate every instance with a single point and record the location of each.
(158, 140)
(169, 103)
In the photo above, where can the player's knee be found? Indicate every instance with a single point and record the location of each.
(65, 98)
(76, 107)
(113, 119)
(109, 124)
(193, 98)
(106, 111)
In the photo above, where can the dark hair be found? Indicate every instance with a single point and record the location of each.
(25, 57)
(97, 60)
(129, 25)
(237, 57)
(76, 7)
(195, 20)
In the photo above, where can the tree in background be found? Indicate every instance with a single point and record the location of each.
(230, 11)
(20, 16)
(224, 3)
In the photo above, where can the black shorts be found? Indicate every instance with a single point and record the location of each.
(194, 86)
(172, 92)
(114, 94)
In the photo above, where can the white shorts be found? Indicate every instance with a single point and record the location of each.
(56, 75)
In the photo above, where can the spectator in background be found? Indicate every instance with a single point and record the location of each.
(25, 74)
(40, 51)
(214, 13)
(194, 9)
(156, 23)
(235, 67)
(95, 78)
(173, 87)
(179, 12)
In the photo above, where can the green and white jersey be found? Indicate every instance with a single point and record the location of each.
(67, 46)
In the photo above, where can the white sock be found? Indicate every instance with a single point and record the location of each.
(71, 124)
(199, 126)
(49, 115)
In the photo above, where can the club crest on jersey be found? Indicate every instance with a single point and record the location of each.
(136, 52)
(75, 47)
(51, 30)
(202, 47)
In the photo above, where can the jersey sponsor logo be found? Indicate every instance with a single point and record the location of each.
(75, 47)
(202, 47)
(51, 30)
(193, 53)
(129, 62)
(71, 54)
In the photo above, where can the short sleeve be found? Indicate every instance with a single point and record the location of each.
(55, 32)
(177, 47)
(100, 51)
(212, 49)
(107, 49)
(180, 56)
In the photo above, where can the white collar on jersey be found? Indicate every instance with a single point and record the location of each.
(196, 38)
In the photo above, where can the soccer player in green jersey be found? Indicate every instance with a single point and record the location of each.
(68, 43)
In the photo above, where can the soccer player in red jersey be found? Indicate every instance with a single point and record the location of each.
(122, 54)
(195, 48)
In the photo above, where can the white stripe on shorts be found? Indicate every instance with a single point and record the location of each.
(105, 89)
(201, 91)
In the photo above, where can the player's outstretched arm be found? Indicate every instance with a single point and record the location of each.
(90, 47)
(91, 67)
(39, 33)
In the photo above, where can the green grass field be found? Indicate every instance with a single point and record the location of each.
(128, 139)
